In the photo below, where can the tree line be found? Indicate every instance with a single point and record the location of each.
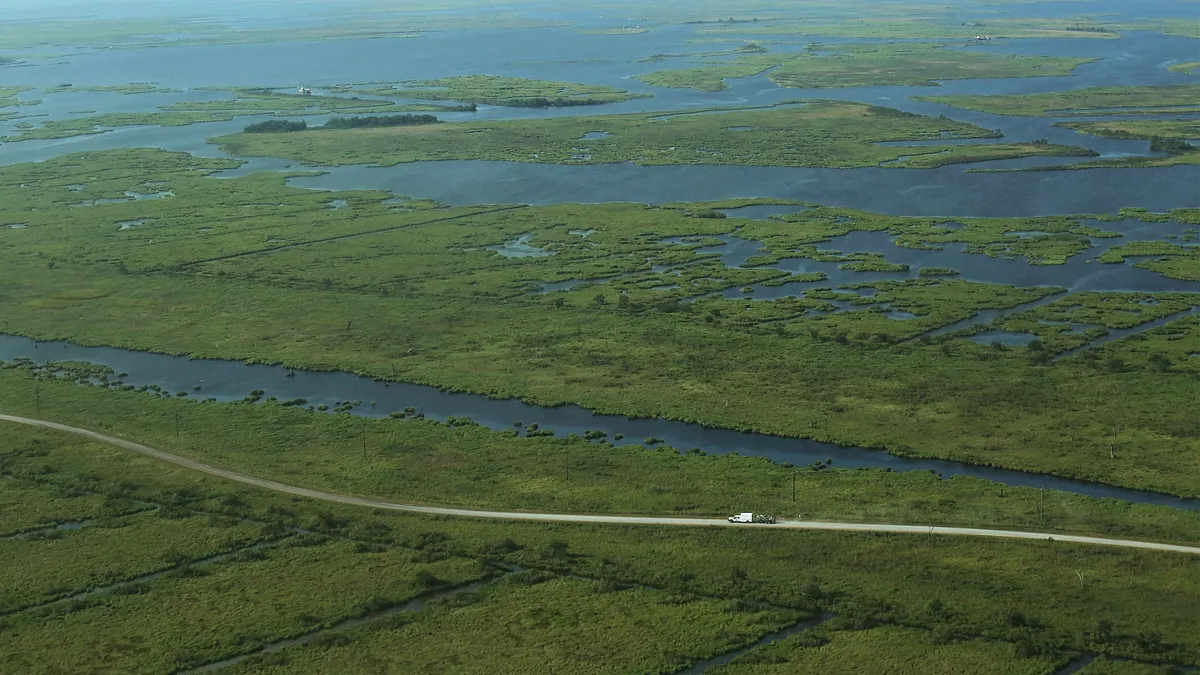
(275, 127)
(286, 126)
(543, 102)
(1171, 146)
(379, 121)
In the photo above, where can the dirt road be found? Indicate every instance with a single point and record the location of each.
(326, 496)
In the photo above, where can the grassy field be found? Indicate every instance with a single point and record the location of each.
(1169, 259)
(558, 626)
(859, 65)
(747, 47)
(26, 508)
(1182, 130)
(1182, 27)
(816, 134)
(98, 124)
(1176, 266)
(241, 102)
(10, 104)
(1185, 158)
(1027, 594)
(1168, 99)
(8, 95)
(466, 465)
(1106, 666)
(965, 154)
(851, 377)
(889, 649)
(1077, 320)
(1114, 310)
(232, 606)
(884, 22)
(1141, 129)
(495, 90)
(365, 20)
(1173, 99)
(41, 569)
(131, 88)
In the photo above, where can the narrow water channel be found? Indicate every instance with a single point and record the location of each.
(716, 661)
(414, 605)
(227, 381)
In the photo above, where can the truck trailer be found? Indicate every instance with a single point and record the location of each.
(761, 518)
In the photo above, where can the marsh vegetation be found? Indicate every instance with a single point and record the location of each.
(808, 134)
(269, 250)
(1027, 351)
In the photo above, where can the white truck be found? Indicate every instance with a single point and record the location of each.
(762, 518)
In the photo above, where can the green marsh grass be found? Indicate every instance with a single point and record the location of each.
(829, 134)
(1045, 595)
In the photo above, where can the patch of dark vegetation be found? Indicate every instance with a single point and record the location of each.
(1171, 146)
(275, 127)
(379, 121)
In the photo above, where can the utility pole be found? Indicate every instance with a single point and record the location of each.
(567, 454)
(176, 425)
(793, 485)
(1041, 506)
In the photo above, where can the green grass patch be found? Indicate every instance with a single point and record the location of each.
(886, 22)
(251, 269)
(816, 134)
(1169, 259)
(1053, 322)
(465, 465)
(937, 272)
(495, 90)
(242, 102)
(25, 507)
(226, 608)
(131, 88)
(1055, 596)
(1156, 100)
(45, 568)
(863, 65)
(965, 154)
(891, 649)
(1140, 129)
(562, 625)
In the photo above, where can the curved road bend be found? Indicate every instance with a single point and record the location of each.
(322, 495)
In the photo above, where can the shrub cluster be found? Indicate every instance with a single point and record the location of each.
(379, 121)
(275, 127)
